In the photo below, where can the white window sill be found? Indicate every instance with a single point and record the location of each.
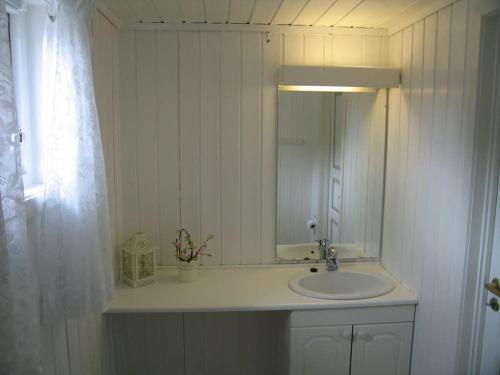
(33, 200)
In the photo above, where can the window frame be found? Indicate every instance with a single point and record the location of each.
(26, 29)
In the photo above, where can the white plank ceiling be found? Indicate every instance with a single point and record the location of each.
(329, 13)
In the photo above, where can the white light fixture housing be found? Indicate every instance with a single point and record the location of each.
(337, 78)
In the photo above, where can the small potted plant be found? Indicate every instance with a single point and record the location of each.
(187, 255)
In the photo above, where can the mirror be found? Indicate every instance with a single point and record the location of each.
(330, 185)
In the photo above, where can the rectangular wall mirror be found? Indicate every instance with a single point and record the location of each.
(331, 157)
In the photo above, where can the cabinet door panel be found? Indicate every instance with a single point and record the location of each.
(320, 350)
(381, 349)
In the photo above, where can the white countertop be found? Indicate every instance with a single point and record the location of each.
(243, 288)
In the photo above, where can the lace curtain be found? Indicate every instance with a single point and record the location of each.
(18, 298)
(75, 251)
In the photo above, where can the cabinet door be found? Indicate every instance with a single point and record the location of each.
(320, 350)
(381, 349)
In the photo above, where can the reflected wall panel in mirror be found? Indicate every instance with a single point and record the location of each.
(331, 156)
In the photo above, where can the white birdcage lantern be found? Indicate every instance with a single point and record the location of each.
(138, 261)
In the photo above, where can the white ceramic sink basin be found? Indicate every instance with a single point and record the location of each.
(341, 285)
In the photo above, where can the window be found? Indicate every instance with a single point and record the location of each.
(26, 32)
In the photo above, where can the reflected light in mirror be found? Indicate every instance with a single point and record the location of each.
(325, 88)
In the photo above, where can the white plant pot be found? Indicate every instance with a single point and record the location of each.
(187, 271)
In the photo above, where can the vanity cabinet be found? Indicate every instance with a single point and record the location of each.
(319, 344)
(381, 349)
(320, 350)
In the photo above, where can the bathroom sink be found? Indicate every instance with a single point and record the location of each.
(341, 285)
(309, 251)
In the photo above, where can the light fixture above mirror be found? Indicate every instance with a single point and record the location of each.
(337, 78)
(325, 88)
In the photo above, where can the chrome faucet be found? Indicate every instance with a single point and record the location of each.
(329, 254)
(323, 247)
(332, 262)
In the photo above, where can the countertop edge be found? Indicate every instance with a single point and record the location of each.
(172, 297)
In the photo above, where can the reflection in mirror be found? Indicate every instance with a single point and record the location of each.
(331, 154)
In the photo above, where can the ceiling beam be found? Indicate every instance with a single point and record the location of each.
(258, 28)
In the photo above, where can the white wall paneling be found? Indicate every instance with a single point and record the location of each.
(197, 135)
(127, 156)
(168, 139)
(210, 140)
(230, 148)
(144, 344)
(190, 133)
(194, 343)
(147, 162)
(251, 147)
(271, 60)
(105, 72)
(249, 342)
(428, 174)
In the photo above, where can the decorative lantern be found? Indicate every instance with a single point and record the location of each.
(138, 261)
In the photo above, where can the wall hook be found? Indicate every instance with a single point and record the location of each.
(268, 37)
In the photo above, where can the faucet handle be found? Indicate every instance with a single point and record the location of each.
(323, 242)
(332, 262)
(332, 251)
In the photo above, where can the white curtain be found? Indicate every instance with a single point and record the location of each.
(75, 250)
(18, 298)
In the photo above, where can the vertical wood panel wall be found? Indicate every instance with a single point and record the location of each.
(198, 132)
(195, 343)
(428, 180)
(105, 73)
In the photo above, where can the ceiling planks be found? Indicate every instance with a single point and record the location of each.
(288, 11)
(169, 10)
(144, 10)
(313, 11)
(322, 13)
(121, 10)
(264, 11)
(193, 11)
(241, 11)
(357, 14)
(414, 9)
(394, 9)
(337, 11)
(364, 14)
(217, 10)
